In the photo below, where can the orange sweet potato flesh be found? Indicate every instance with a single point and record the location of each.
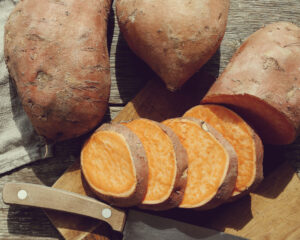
(212, 163)
(261, 83)
(56, 53)
(113, 162)
(97, 164)
(244, 140)
(167, 162)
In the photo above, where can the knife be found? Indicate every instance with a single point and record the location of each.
(132, 224)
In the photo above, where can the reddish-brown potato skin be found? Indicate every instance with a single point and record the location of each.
(174, 37)
(141, 167)
(259, 176)
(225, 190)
(259, 155)
(176, 195)
(262, 83)
(56, 52)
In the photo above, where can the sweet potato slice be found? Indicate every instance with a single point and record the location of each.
(114, 164)
(212, 162)
(167, 161)
(262, 84)
(245, 141)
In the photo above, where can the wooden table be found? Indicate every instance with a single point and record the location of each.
(129, 74)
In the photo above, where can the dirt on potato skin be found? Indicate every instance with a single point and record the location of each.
(174, 37)
(56, 53)
(262, 84)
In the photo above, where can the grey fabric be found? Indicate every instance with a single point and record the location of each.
(19, 144)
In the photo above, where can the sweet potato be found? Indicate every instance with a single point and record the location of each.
(56, 52)
(262, 83)
(212, 163)
(174, 37)
(114, 164)
(167, 161)
(240, 135)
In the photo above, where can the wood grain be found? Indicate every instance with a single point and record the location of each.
(129, 75)
(272, 217)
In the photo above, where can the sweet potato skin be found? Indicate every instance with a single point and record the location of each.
(262, 81)
(56, 53)
(174, 37)
(140, 163)
(224, 192)
(257, 146)
(176, 195)
(259, 150)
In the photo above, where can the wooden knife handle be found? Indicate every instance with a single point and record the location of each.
(56, 199)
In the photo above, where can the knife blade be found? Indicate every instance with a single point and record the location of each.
(137, 225)
(140, 225)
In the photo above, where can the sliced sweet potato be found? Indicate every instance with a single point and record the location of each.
(244, 140)
(167, 161)
(262, 84)
(212, 162)
(114, 164)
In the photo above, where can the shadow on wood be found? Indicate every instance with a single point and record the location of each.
(73, 226)
(219, 218)
(274, 156)
(28, 221)
(155, 102)
(213, 65)
(275, 183)
(66, 153)
(110, 28)
(233, 215)
(131, 72)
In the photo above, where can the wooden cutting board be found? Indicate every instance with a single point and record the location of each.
(273, 212)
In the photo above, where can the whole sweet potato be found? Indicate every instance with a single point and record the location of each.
(174, 37)
(56, 52)
(262, 83)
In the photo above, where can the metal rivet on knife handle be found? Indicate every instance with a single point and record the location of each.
(106, 213)
(22, 194)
